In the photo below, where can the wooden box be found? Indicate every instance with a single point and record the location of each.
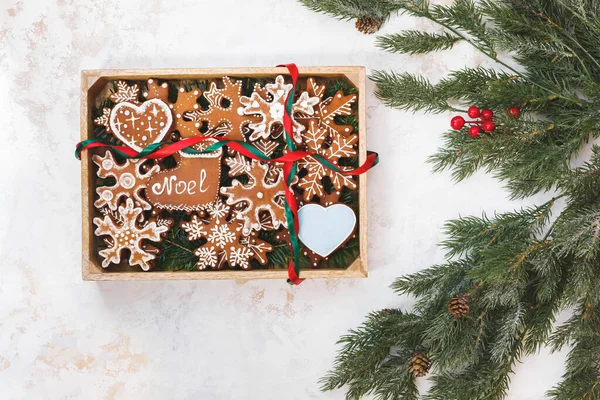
(93, 81)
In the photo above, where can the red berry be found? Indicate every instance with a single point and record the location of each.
(473, 112)
(487, 114)
(474, 131)
(514, 112)
(457, 122)
(488, 126)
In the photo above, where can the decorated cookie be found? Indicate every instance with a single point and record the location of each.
(225, 115)
(156, 91)
(126, 232)
(130, 181)
(272, 110)
(327, 109)
(238, 165)
(187, 101)
(126, 93)
(190, 186)
(267, 147)
(258, 195)
(315, 139)
(337, 105)
(104, 119)
(324, 229)
(225, 243)
(140, 126)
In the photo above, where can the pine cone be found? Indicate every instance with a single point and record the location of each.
(458, 306)
(418, 365)
(368, 25)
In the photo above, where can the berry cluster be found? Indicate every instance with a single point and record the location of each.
(482, 120)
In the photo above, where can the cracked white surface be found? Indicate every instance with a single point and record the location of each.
(64, 338)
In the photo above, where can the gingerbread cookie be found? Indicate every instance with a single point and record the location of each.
(126, 93)
(156, 91)
(225, 115)
(140, 126)
(267, 147)
(190, 186)
(327, 109)
(126, 232)
(272, 110)
(225, 243)
(338, 105)
(238, 165)
(316, 138)
(104, 119)
(186, 101)
(130, 181)
(258, 195)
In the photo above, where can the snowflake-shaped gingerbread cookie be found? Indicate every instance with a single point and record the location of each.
(225, 115)
(335, 147)
(261, 194)
(126, 232)
(225, 243)
(272, 108)
(326, 111)
(130, 181)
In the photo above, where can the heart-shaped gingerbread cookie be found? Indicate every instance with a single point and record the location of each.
(140, 126)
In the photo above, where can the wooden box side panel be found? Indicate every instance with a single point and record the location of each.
(92, 81)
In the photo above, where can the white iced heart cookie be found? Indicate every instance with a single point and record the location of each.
(324, 229)
(140, 126)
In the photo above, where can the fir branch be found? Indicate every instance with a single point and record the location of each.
(350, 9)
(365, 362)
(416, 42)
(517, 269)
(405, 91)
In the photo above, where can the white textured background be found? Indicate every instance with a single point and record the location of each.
(63, 338)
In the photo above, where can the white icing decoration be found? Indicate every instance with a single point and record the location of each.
(107, 164)
(324, 229)
(127, 180)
